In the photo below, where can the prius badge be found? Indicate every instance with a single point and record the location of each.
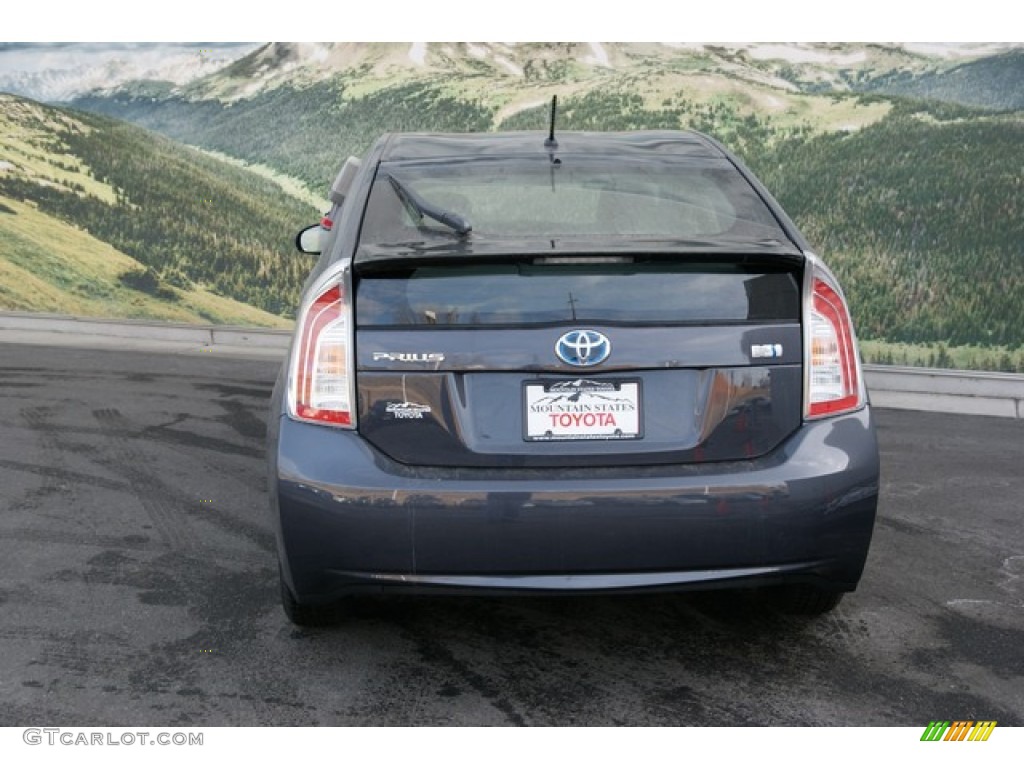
(583, 348)
(408, 357)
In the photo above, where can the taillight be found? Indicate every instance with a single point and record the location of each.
(321, 390)
(833, 368)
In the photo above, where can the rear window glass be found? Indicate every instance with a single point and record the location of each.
(674, 198)
(633, 293)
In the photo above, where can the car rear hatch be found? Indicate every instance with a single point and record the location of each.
(581, 359)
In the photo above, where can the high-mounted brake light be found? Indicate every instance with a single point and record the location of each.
(321, 385)
(833, 367)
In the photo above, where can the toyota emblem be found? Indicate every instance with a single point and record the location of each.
(583, 348)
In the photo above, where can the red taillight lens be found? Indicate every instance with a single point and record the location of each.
(833, 368)
(322, 383)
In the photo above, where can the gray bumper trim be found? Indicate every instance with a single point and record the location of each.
(573, 582)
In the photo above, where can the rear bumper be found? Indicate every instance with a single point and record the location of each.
(350, 520)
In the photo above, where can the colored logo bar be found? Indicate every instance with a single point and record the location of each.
(958, 730)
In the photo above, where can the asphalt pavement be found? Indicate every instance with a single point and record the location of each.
(138, 586)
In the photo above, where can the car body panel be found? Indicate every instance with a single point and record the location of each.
(805, 510)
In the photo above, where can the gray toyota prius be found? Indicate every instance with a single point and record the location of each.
(596, 362)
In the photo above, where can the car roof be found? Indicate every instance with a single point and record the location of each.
(427, 146)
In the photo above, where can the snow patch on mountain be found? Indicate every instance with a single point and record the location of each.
(799, 54)
(418, 54)
(956, 50)
(511, 67)
(598, 56)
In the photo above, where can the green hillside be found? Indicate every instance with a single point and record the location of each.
(47, 265)
(305, 133)
(995, 82)
(162, 230)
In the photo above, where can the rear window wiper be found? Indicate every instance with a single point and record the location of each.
(418, 208)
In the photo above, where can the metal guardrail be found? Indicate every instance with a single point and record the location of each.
(145, 330)
(924, 389)
(981, 393)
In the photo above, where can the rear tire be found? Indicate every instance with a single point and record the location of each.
(306, 615)
(807, 600)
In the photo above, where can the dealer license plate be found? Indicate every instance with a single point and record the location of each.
(582, 409)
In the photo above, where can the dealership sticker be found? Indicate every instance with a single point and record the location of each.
(407, 410)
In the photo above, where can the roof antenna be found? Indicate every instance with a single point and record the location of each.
(550, 142)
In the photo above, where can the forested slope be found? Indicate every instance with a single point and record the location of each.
(305, 133)
(995, 82)
(188, 219)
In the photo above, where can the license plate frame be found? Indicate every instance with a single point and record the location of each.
(581, 409)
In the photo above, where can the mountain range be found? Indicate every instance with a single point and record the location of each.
(56, 72)
(64, 71)
(297, 107)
